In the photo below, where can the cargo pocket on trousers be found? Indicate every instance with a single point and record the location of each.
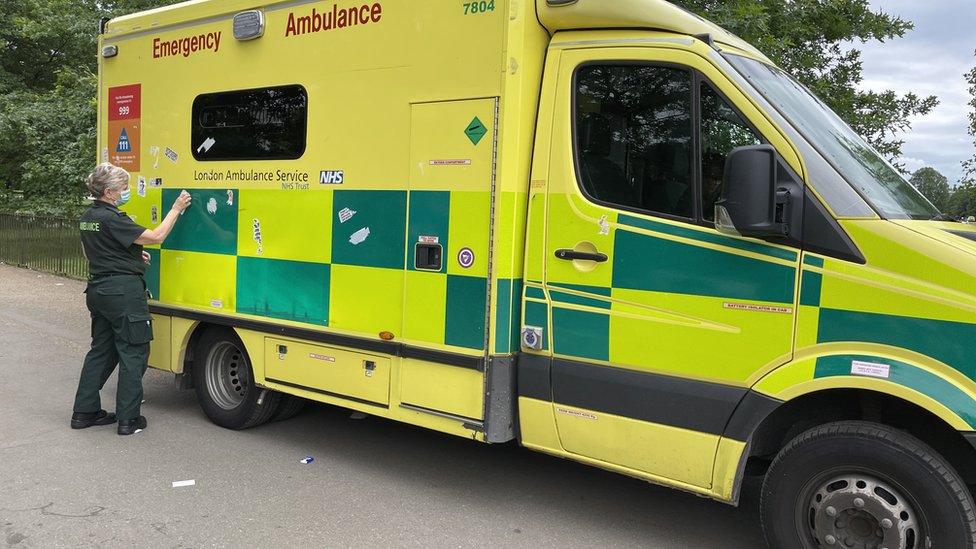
(138, 328)
(109, 291)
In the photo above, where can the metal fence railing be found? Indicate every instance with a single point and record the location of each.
(42, 243)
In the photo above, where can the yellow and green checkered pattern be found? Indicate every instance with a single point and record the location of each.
(672, 297)
(291, 256)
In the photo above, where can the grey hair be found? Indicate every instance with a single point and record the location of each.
(106, 176)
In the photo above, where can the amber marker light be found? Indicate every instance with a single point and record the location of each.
(387, 336)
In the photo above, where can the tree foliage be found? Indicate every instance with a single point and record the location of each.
(970, 165)
(814, 40)
(933, 185)
(48, 86)
(962, 204)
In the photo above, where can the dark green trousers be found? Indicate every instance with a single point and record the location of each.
(121, 332)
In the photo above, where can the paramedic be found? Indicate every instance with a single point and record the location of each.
(116, 297)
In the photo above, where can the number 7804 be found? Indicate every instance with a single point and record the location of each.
(472, 8)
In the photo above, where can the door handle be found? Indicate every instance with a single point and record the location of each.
(573, 255)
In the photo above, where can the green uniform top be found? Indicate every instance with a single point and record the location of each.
(109, 236)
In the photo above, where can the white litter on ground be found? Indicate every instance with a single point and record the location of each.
(182, 483)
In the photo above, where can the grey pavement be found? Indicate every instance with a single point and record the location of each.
(374, 483)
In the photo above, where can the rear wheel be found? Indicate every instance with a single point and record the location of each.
(865, 486)
(289, 406)
(224, 382)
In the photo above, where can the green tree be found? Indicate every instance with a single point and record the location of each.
(962, 204)
(933, 185)
(48, 86)
(970, 165)
(812, 40)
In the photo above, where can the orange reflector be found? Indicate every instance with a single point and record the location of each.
(386, 336)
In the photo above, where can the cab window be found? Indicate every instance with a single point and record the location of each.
(643, 131)
(722, 129)
(634, 137)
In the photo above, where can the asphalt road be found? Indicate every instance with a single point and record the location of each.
(373, 483)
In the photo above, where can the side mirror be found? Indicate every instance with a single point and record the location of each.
(753, 203)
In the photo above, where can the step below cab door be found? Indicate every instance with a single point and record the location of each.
(658, 322)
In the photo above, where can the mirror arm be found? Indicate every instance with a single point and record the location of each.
(782, 216)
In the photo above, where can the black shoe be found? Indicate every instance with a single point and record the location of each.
(83, 420)
(130, 426)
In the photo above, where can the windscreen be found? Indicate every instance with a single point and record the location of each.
(863, 168)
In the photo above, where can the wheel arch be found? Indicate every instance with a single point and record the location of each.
(928, 400)
(188, 347)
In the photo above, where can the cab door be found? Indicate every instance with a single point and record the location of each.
(658, 322)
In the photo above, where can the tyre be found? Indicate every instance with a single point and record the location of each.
(224, 382)
(288, 407)
(864, 485)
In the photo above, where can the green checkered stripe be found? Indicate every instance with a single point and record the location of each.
(303, 291)
(649, 263)
(947, 341)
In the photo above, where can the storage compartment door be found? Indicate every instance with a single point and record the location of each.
(449, 223)
(328, 370)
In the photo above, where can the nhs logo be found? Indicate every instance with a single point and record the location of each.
(331, 177)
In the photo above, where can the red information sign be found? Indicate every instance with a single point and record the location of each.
(125, 102)
(124, 112)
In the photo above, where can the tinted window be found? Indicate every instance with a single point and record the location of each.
(634, 137)
(261, 124)
(722, 129)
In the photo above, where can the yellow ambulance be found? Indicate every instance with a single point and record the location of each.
(608, 230)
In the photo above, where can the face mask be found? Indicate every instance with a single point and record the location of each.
(124, 197)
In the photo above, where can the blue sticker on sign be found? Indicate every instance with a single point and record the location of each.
(124, 144)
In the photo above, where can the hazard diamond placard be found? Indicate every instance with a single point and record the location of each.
(124, 114)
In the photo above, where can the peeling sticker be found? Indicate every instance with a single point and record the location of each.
(359, 236)
(154, 152)
(870, 369)
(212, 206)
(230, 197)
(604, 226)
(171, 154)
(154, 214)
(429, 240)
(217, 303)
(155, 182)
(206, 145)
(257, 235)
(141, 186)
(346, 214)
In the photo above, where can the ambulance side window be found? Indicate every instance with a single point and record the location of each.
(257, 124)
(722, 129)
(633, 131)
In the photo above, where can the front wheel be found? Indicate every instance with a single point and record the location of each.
(224, 382)
(866, 486)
